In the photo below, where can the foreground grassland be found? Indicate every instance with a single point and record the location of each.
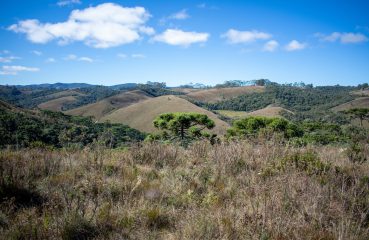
(237, 190)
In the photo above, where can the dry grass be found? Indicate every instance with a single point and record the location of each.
(219, 94)
(57, 104)
(110, 104)
(236, 190)
(141, 115)
(269, 111)
(362, 102)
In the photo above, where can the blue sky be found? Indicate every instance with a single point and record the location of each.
(101, 42)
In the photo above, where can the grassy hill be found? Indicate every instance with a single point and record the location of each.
(141, 115)
(362, 102)
(219, 94)
(57, 104)
(269, 111)
(107, 105)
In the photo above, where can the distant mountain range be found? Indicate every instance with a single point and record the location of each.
(75, 85)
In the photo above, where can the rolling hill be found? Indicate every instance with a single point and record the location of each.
(107, 105)
(270, 111)
(141, 115)
(56, 101)
(361, 102)
(218, 94)
(57, 104)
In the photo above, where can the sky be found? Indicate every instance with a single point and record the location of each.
(180, 42)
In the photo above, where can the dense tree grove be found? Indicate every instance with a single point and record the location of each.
(23, 129)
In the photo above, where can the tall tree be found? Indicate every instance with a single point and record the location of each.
(184, 126)
(360, 113)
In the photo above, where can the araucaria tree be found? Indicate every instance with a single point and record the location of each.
(184, 126)
(360, 113)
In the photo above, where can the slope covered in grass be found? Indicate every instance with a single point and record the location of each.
(141, 115)
(218, 94)
(107, 105)
(362, 102)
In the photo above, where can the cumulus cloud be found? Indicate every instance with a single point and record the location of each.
(181, 38)
(295, 45)
(234, 36)
(106, 25)
(62, 3)
(343, 37)
(13, 70)
(85, 59)
(271, 46)
(181, 15)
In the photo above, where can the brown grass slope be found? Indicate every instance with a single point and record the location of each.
(362, 102)
(56, 101)
(141, 115)
(218, 94)
(107, 105)
(57, 104)
(270, 111)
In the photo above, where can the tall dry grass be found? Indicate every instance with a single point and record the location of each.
(236, 190)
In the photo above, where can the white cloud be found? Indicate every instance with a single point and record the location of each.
(8, 59)
(72, 57)
(295, 45)
(62, 3)
(106, 25)
(85, 59)
(138, 55)
(343, 37)
(50, 60)
(234, 36)
(38, 53)
(271, 46)
(181, 15)
(181, 38)
(13, 70)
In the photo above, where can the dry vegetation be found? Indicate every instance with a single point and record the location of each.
(57, 104)
(219, 94)
(362, 102)
(141, 115)
(269, 111)
(107, 105)
(237, 190)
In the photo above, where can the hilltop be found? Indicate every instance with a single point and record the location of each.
(141, 115)
(107, 105)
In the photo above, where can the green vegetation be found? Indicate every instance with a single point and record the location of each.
(306, 102)
(46, 128)
(184, 127)
(360, 113)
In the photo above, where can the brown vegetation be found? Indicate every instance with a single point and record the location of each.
(219, 94)
(237, 190)
(107, 105)
(141, 115)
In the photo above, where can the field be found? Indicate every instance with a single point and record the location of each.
(219, 94)
(141, 115)
(265, 112)
(236, 190)
(107, 105)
